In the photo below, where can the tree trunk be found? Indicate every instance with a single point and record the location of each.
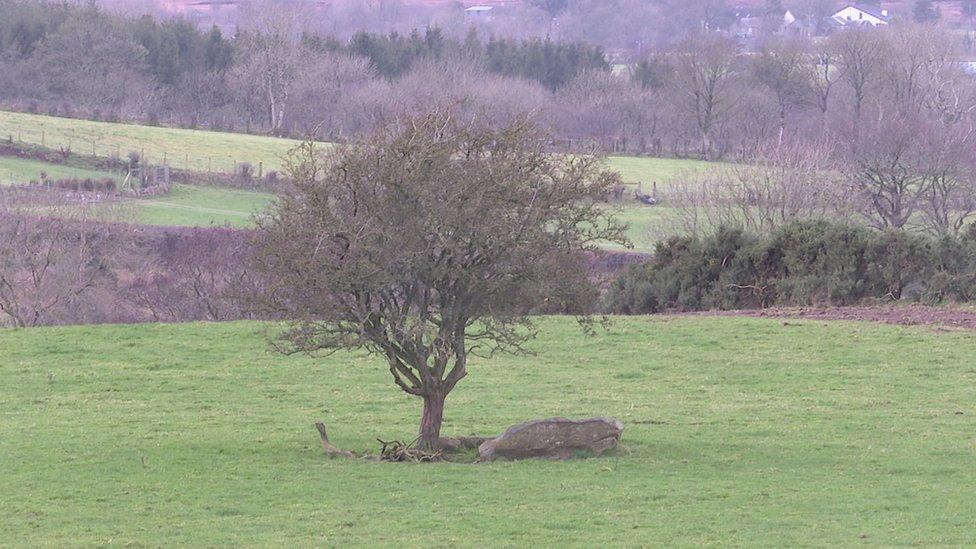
(430, 423)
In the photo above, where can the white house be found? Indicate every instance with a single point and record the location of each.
(475, 11)
(859, 14)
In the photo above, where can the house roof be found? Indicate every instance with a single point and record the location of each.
(873, 11)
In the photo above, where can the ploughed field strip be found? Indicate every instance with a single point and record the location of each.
(910, 315)
(739, 431)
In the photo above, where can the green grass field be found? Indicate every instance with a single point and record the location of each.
(643, 228)
(647, 170)
(14, 170)
(196, 206)
(745, 432)
(200, 206)
(184, 149)
(205, 150)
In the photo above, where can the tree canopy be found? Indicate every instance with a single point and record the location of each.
(429, 241)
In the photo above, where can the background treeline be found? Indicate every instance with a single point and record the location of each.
(80, 61)
(702, 94)
(393, 55)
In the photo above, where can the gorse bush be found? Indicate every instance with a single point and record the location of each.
(801, 263)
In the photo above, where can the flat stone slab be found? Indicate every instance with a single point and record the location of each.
(556, 438)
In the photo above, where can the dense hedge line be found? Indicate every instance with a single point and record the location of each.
(802, 263)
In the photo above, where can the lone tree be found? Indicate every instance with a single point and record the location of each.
(428, 242)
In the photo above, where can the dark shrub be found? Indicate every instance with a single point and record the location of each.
(245, 171)
(802, 263)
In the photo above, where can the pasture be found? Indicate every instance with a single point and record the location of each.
(204, 206)
(648, 170)
(14, 170)
(197, 206)
(196, 150)
(200, 150)
(203, 151)
(738, 431)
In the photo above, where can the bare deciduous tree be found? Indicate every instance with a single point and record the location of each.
(49, 261)
(705, 83)
(887, 168)
(272, 61)
(780, 69)
(783, 184)
(947, 173)
(860, 59)
(823, 72)
(429, 242)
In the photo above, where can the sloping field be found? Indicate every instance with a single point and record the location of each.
(217, 151)
(649, 170)
(196, 206)
(15, 170)
(738, 431)
(202, 206)
(185, 149)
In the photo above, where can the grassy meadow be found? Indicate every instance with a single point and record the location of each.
(201, 150)
(196, 150)
(197, 206)
(738, 431)
(204, 206)
(648, 170)
(14, 170)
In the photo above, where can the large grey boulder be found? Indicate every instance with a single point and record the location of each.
(556, 438)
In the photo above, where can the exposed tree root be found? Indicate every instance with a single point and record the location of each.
(397, 451)
(331, 450)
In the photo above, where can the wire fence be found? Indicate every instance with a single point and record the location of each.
(195, 152)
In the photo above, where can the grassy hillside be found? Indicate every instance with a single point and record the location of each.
(738, 432)
(197, 206)
(204, 150)
(21, 170)
(184, 149)
(648, 170)
(194, 206)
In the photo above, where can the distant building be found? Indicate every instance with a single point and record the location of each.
(750, 24)
(860, 15)
(478, 11)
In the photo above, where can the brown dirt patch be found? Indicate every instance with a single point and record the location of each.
(912, 315)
